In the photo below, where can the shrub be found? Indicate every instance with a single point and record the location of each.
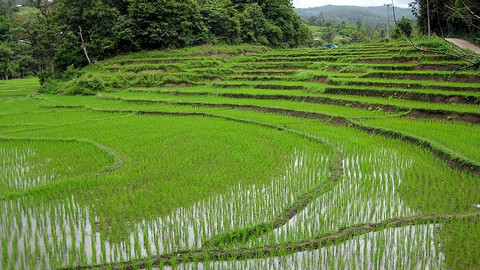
(44, 77)
(71, 73)
(403, 26)
(85, 85)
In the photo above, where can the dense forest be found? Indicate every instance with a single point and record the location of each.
(44, 37)
(54, 35)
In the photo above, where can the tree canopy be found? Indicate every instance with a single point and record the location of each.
(62, 33)
(456, 18)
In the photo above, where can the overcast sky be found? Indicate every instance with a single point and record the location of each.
(318, 3)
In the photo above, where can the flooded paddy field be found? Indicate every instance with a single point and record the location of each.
(248, 161)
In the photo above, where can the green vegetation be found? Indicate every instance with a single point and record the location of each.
(13, 89)
(373, 15)
(50, 37)
(208, 156)
(353, 25)
(404, 28)
(442, 133)
(449, 18)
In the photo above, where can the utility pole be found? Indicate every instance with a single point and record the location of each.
(428, 20)
(388, 19)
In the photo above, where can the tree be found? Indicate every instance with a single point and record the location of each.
(282, 27)
(466, 11)
(62, 33)
(328, 35)
(312, 20)
(167, 23)
(460, 18)
(5, 25)
(253, 24)
(25, 64)
(404, 27)
(6, 63)
(357, 37)
(81, 34)
(42, 34)
(219, 17)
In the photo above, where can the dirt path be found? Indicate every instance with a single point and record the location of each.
(464, 44)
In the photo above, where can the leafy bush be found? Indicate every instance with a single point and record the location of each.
(404, 26)
(47, 88)
(44, 76)
(85, 85)
(71, 73)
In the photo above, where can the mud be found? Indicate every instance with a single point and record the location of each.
(445, 115)
(427, 97)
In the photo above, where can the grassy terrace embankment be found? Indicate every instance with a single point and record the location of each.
(245, 157)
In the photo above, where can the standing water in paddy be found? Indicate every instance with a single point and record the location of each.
(409, 247)
(242, 156)
(80, 238)
(367, 192)
(30, 163)
(16, 172)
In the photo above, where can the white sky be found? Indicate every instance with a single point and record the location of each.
(318, 3)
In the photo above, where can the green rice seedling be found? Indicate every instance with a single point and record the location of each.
(325, 109)
(30, 163)
(399, 83)
(365, 194)
(442, 134)
(171, 167)
(17, 89)
(77, 215)
(405, 247)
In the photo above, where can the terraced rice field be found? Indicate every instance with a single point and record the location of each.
(246, 158)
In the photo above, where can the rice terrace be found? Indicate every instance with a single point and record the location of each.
(118, 151)
(245, 157)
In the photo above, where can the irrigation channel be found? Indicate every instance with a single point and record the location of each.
(246, 158)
